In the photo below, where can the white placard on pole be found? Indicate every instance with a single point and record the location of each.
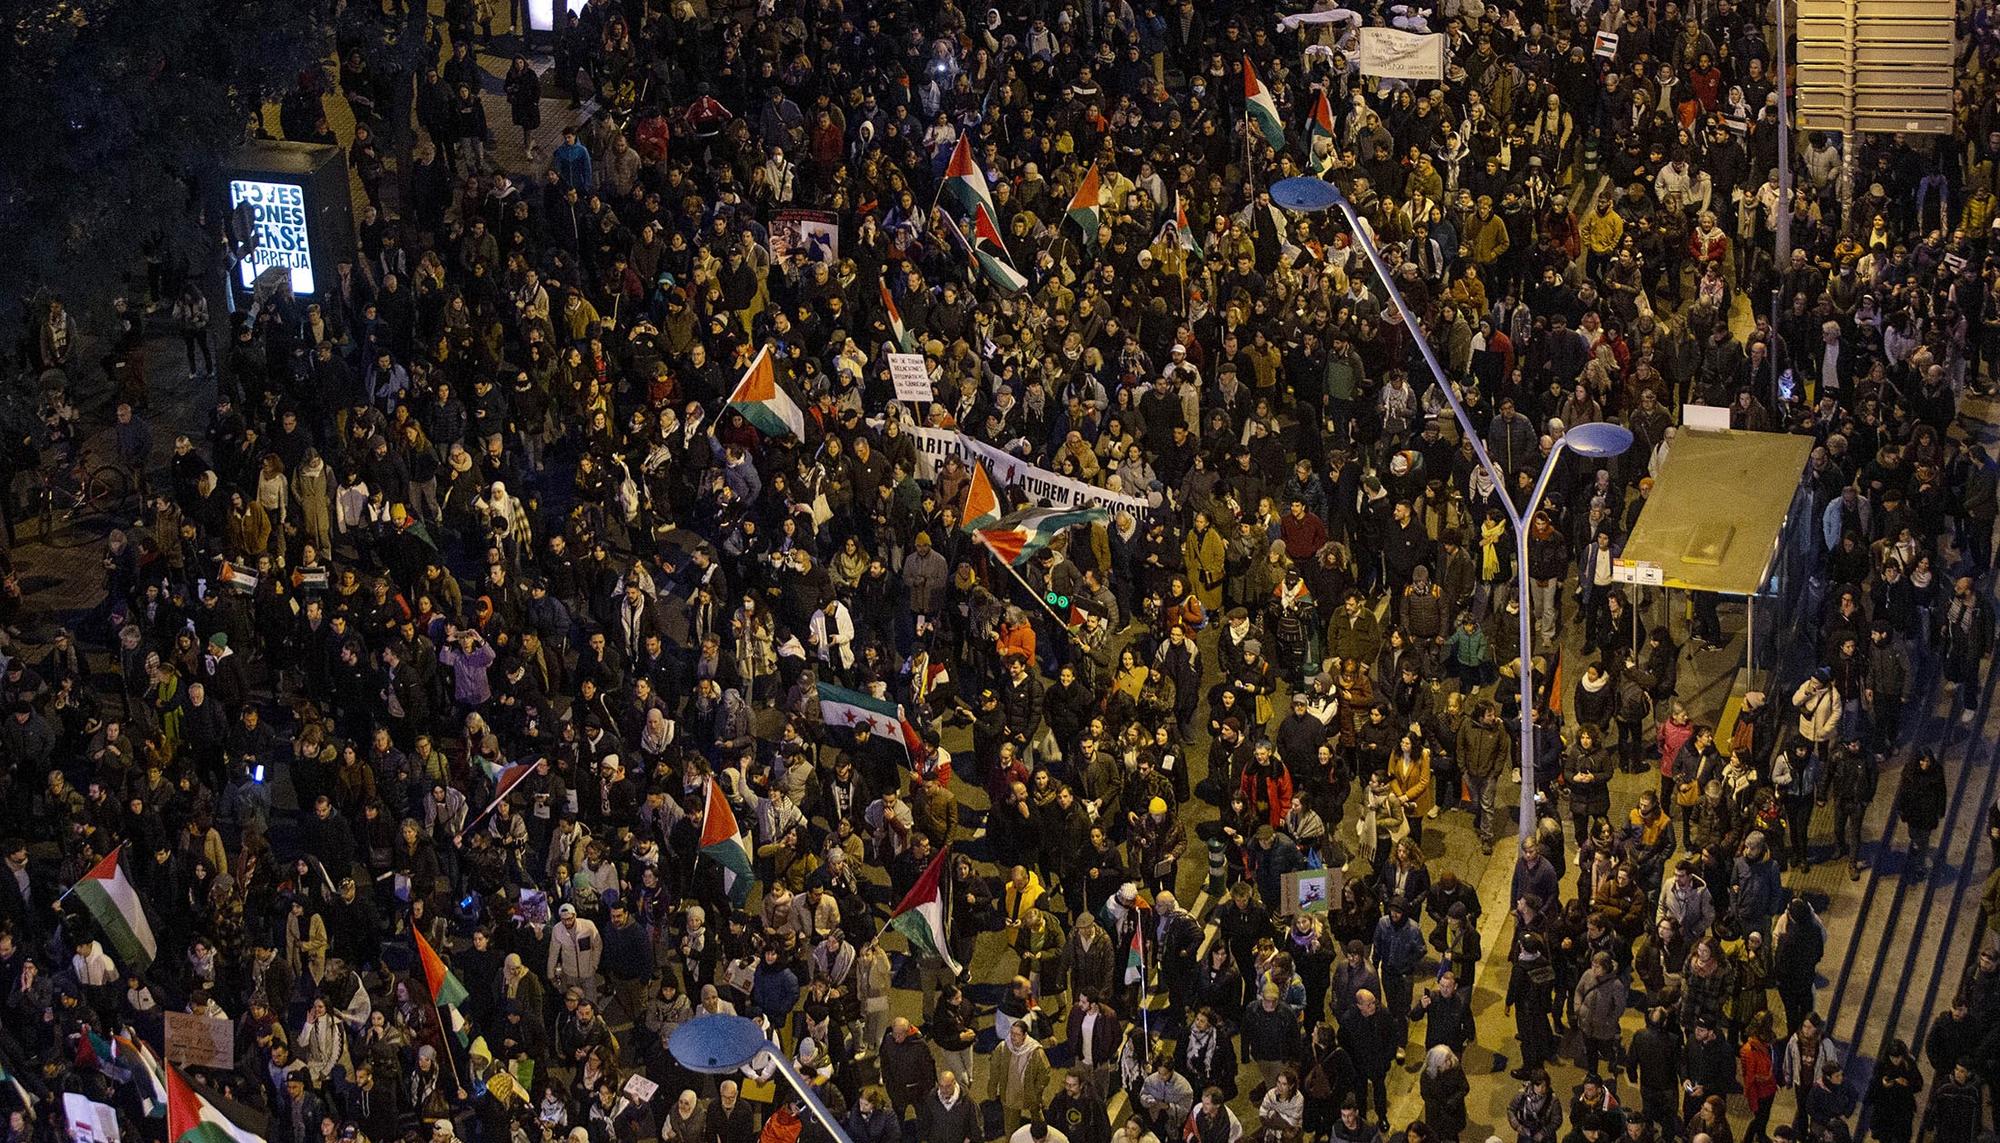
(912, 380)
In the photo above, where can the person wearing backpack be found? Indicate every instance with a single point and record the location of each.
(1634, 707)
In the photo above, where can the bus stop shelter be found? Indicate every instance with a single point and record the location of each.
(1717, 515)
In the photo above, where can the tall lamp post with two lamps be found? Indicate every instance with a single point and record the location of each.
(1309, 194)
(722, 1045)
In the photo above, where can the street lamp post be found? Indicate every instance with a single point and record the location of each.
(721, 1045)
(1310, 194)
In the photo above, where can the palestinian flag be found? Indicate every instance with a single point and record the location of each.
(1017, 537)
(999, 268)
(982, 504)
(114, 905)
(764, 403)
(1135, 957)
(1322, 131)
(1260, 108)
(722, 842)
(1178, 232)
(236, 576)
(443, 983)
(96, 1053)
(153, 1096)
(964, 181)
(1086, 207)
(897, 332)
(920, 916)
(193, 1119)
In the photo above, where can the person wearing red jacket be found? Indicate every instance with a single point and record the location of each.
(1266, 785)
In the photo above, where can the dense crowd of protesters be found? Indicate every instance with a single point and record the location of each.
(482, 501)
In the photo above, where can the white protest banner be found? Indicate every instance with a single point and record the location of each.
(912, 380)
(1605, 46)
(1009, 471)
(1393, 54)
(89, 1121)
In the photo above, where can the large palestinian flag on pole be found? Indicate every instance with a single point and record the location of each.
(982, 504)
(114, 905)
(1086, 207)
(193, 1119)
(1260, 108)
(999, 268)
(964, 181)
(897, 331)
(764, 403)
(1018, 537)
(920, 916)
(442, 983)
(722, 842)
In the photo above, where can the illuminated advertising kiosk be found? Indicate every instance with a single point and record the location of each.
(294, 197)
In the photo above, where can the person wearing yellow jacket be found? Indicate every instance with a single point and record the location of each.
(1601, 230)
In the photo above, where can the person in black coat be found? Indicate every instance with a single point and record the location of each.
(1206, 1056)
(1892, 1094)
(1372, 1037)
(1920, 802)
(731, 1119)
(1078, 1112)
(1654, 1063)
(908, 1069)
(949, 1114)
(1710, 1065)
(1447, 1015)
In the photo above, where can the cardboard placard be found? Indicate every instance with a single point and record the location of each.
(1606, 46)
(1310, 891)
(200, 1041)
(911, 378)
(640, 1088)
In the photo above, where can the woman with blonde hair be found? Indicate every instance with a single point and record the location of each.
(1444, 1089)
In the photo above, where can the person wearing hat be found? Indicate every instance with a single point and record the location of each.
(1155, 840)
(576, 949)
(222, 673)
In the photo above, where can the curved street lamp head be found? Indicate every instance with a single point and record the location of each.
(1597, 439)
(717, 1044)
(1307, 194)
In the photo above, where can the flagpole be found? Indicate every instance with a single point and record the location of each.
(501, 796)
(444, 1026)
(1061, 622)
(115, 851)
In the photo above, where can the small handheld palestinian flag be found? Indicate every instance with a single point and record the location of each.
(722, 842)
(1086, 207)
(764, 403)
(1180, 233)
(1260, 108)
(982, 504)
(1322, 133)
(897, 333)
(920, 915)
(114, 904)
